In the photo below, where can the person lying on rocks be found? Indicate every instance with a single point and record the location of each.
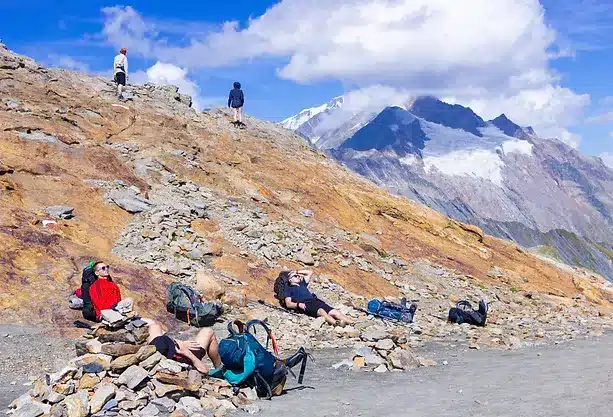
(186, 351)
(299, 298)
(105, 294)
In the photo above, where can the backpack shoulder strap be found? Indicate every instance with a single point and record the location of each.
(269, 337)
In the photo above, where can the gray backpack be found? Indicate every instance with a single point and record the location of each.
(187, 306)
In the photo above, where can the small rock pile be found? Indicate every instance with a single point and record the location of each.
(117, 374)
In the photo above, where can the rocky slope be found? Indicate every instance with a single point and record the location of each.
(494, 174)
(162, 193)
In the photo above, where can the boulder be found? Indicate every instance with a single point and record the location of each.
(88, 381)
(235, 299)
(77, 405)
(132, 377)
(93, 363)
(103, 394)
(209, 286)
(370, 356)
(191, 381)
(126, 361)
(374, 335)
(118, 349)
(151, 361)
(128, 200)
(370, 243)
(305, 257)
(120, 336)
(385, 344)
(162, 390)
(404, 359)
(29, 410)
(60, 212)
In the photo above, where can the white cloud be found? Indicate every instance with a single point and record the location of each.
(601, 118)
(607, 158)
(168, 74)
(66, 62)
(491, 55)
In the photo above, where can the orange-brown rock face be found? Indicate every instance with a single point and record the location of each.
(159, 191)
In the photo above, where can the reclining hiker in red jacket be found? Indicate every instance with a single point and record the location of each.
(299, 298)
(104, 293)
(187, 351)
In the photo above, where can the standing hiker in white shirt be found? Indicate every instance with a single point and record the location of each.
(120, 71)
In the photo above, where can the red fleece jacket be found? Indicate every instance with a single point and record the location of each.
(104, 294)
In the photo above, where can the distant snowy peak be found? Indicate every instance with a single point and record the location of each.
(295, 122)
(509, 128)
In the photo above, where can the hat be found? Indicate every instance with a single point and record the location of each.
(123, 51)
(165, 345)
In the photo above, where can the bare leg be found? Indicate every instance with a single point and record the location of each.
(207, 339)
(155, 330)
(340, 316)
(329, 319)
(240, 115)
(235, 114)
(119, 89)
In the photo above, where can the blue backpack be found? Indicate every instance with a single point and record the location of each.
(392, 311)
(246, 362)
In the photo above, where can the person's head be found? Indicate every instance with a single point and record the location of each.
(123, 51)
(294, 277)
(237, 85)
(102, 270)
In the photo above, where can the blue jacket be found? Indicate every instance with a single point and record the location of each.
(236, 98)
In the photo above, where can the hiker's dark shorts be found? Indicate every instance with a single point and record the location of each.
(120, 78)
(313, 306)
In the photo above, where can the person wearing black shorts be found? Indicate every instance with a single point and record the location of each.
(299, 298)
(120, 71)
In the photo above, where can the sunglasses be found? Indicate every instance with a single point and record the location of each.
(104, 268)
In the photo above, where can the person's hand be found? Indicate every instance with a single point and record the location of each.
(302, 306)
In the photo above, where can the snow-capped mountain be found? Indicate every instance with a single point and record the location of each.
(305, 121)
(494, 174)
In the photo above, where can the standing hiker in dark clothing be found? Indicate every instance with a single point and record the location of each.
(236, 100)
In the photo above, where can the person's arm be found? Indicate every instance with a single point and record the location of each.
(96, 298)
(242, 98)
(294, 306)
(230, 98)
(306, 275)
(125, 63)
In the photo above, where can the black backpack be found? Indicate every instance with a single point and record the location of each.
(280, 287)
(187, 306)
(463, 313)
(87, 279)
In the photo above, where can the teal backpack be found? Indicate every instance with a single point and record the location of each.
(187, 306)
(247, 363)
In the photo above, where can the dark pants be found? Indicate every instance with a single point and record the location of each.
(313, 306)
(120, 78)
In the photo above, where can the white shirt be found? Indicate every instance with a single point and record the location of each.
(120, 64)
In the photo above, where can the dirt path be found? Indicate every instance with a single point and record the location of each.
(28, 352)
(552, 381)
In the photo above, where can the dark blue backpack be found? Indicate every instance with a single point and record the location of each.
(247, 362)
(392, 311)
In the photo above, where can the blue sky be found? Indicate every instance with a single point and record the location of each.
(544, 64)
